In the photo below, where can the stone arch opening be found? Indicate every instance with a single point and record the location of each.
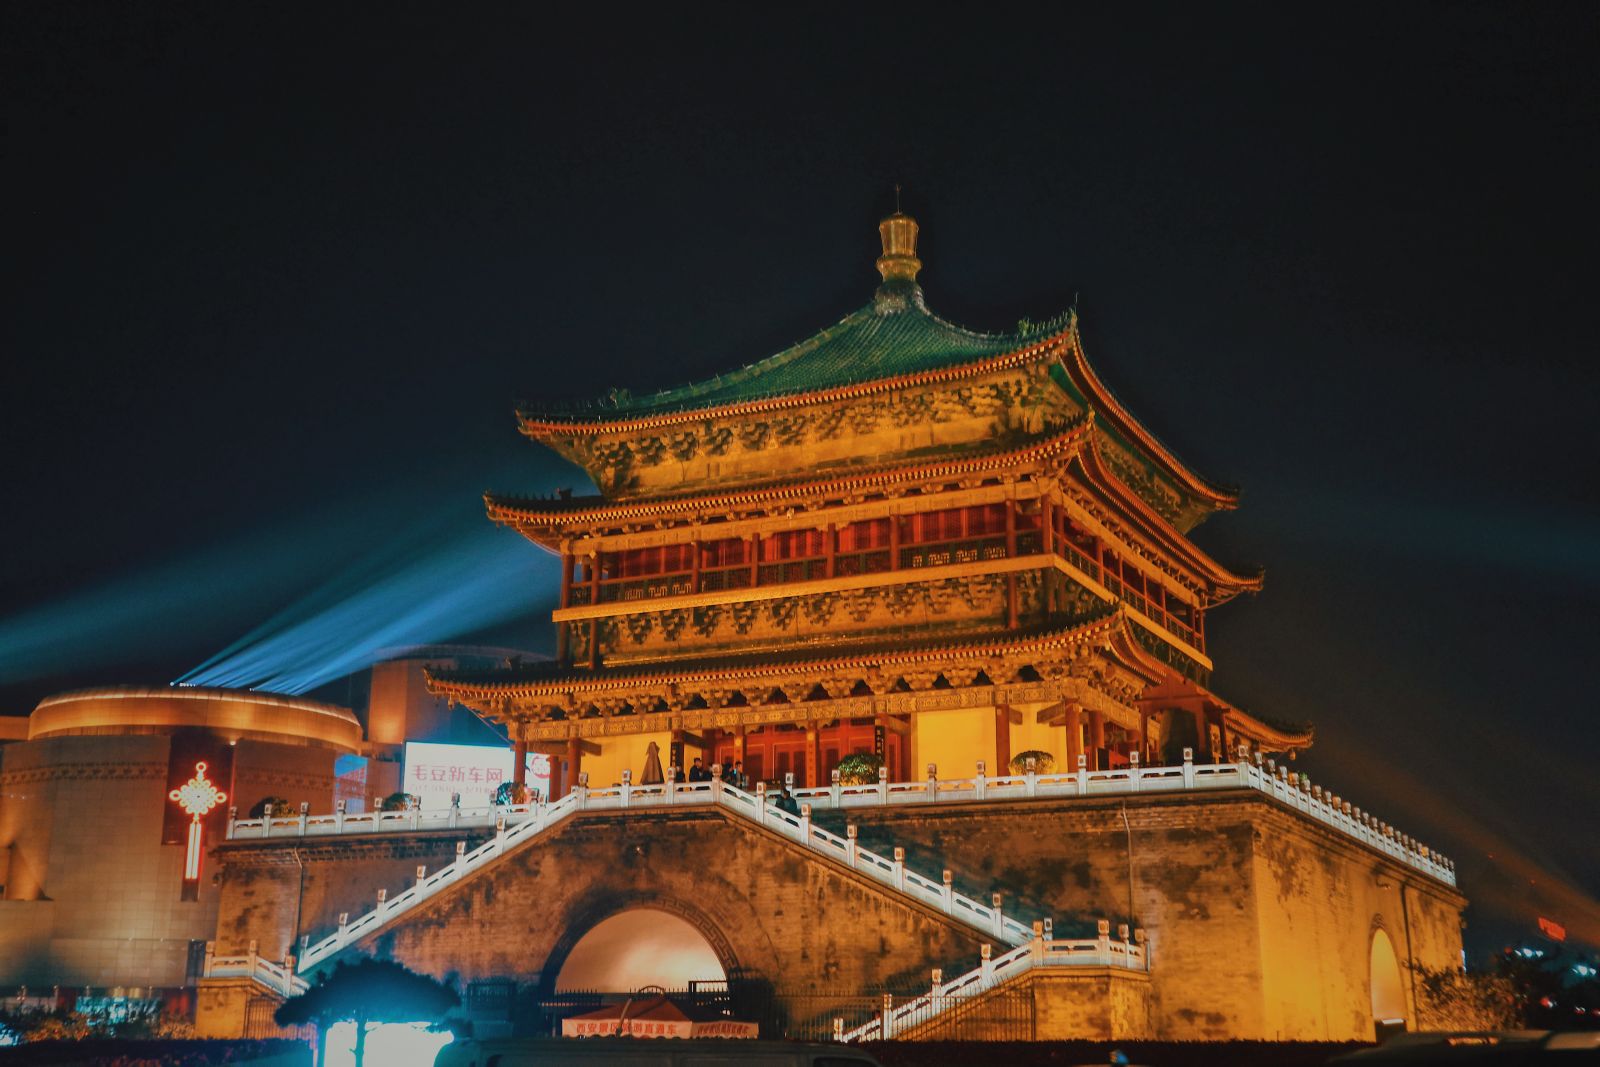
(637, 947)
(1388, 992)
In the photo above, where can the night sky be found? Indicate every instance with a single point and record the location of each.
(276, 276)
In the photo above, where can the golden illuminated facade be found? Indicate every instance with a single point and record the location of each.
(898, 536)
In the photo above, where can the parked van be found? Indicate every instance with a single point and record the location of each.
(647, 1052)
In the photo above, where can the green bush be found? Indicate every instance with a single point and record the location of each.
(1043, 762)
(399, 802)
(280, 808)
(860, 769)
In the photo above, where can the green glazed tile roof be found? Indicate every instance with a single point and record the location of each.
(894, 335)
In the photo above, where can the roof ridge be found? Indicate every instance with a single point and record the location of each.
(896, 308)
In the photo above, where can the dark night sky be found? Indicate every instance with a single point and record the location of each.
(275, 276)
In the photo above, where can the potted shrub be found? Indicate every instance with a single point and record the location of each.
(1043, 762)
(280, 808)
(512, 793)
(860, 769)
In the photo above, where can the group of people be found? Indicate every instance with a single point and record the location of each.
(733, 774)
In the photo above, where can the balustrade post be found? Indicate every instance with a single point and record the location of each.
(305, 943)
(761, 803)
(838, 1029)
(500, 833)
(672, 785)
(339, 809)
(899, 870)
(305, 810)
(850, 845)
(1133, 771)
(233, 817)
(266, 820)
(947, 891)
(250, 959)
(1141, 942)
(1103, 929)
(627, 786)
(582, 789)
(455, 810)
(886, 1028)
(999, 916)
(716, 783)
(833, 787)
(1049, 931)
(414, 806)
(933, 782)
(979, 783)
(210, 960)
(986, 965)
(344, 922)
(1083, 774)
(461, 857)
(383, 899)
(1030, 777)
(883, 785)
(805, 825)
(422, 874)
(936, 985)
(288, 974)
(1188, 768)
(788, 780)
(1036, 946)
(1244, 764)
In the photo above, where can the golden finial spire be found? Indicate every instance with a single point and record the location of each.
(899, 261)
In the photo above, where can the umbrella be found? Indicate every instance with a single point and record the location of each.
(652, 766)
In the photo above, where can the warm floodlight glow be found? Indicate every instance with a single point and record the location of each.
(197, 797)
(636, 948)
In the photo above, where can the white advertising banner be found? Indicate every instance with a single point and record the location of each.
(436, 772)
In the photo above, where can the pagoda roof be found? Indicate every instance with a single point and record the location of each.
(894, 336)
(1112, 629)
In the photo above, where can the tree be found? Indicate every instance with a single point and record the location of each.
(366, 992)
(1449, 998)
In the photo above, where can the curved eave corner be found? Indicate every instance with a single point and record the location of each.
(1228, 583)
(1077, 366)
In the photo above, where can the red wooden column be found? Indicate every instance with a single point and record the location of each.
(894, 542)
(594, 601)
(813, 756)
(1202, 735)
(1144, 735)
(519, 756)
(1002, 739)
(1097, 739)
(1072, 722)
(574, 761)
(831, 535)
(694, 567)
(755, 560)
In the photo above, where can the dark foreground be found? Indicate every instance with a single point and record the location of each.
(1154, 1053)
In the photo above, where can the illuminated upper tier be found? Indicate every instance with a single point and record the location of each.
(890, 384)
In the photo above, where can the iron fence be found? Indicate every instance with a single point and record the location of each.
(994, 1015)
